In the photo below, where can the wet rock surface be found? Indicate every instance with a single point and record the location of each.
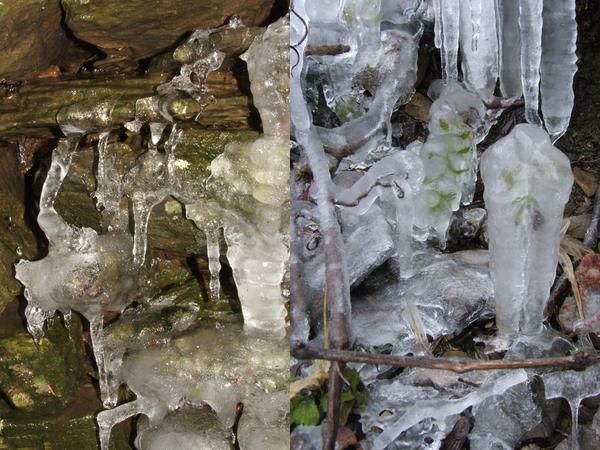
(32, 39)
(138, 29)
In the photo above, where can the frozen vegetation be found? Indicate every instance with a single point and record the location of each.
(173, 358)
(381, 217)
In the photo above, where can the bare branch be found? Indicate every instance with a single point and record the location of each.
(579, 360)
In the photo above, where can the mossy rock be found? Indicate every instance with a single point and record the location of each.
(32, 38)
(74, 428)
(39, 378)
(138, 29)
(16, 238)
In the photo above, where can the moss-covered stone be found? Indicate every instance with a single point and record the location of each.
(137, 29)
(39, 378)
(74, 428)
(16, 239)
(32, 39)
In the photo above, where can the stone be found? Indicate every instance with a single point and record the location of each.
(16, 238)
(138, 29)
(40, 378)
(32, 39)
(74, 428)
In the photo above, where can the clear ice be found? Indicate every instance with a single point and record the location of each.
(527, 184)
(528, 44)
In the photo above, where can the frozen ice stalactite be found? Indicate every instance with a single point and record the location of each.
(214, 265)
(227, 367)
(573, 386)
(510, 48)
(528, 44)
(248, 191)
(450, 159)
(479, 45)
(435, 409)
(449, 30)
(527, 184)
(559, 64)
(148, 184)
(393, 182)
(530, 26)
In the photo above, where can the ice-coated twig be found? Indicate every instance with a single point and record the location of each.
(530, 24)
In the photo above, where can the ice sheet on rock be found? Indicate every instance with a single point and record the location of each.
(558, 65)
(450, 159)
(393, 182)
(502, 422)
(368, 242)
(394, 80)
(184, 429)
(306, 438)
(527, 183)
(424, 411)
(227, 366)
(450, 292)
(479, 45)
(573, 386)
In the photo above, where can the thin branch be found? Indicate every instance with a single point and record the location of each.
(579, 360)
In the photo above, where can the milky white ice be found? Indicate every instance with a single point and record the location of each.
(527, 184)
(528, 44)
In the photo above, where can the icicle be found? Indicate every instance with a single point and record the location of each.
(156, 131)
(510, 48)
(479, 45)
(214, 265)
(559, 64)
(141, 215)
(101, 176)
(530, 24)
(450, 26)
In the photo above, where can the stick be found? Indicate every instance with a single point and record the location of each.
(579, 360)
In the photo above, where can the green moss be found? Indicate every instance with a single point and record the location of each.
(3, 10)
(444, 125)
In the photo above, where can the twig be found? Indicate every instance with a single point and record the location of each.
(329, 50)
(579, 360)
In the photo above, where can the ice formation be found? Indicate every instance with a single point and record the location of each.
(250, 181)
(573, 386)
(393, 182)
(529, 45)
(450, 159)
(527, 184)
(218, 365)
(91, 273)
(436, 410)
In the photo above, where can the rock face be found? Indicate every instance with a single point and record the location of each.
(39, 378)
(31, 38)
(138, 29)
(16, 239)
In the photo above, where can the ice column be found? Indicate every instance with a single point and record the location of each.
(450, 159)
(527, 184)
